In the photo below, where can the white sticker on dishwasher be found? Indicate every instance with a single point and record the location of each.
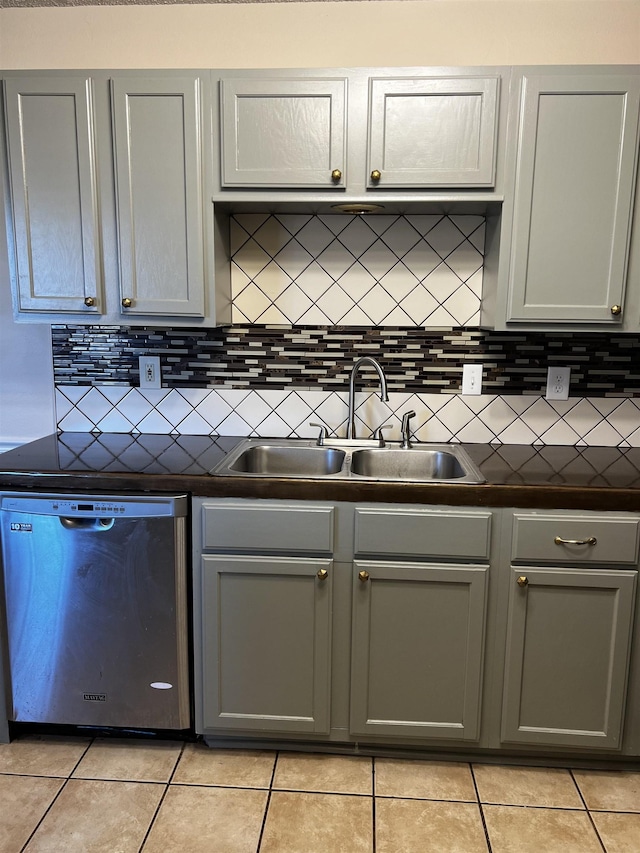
(161, 685)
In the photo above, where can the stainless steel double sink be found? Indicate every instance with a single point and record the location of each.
(300, 458)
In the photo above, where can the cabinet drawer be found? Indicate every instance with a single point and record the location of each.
(575, 538)
(255, 526)
(423, 532)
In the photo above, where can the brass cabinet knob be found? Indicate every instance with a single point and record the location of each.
(89, 301)
(336, 175)
(127, 303)
(523, 580)
(376, 175)
(323, 574)
(364, 576)
(616, 310)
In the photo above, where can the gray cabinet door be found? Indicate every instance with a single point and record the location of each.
(574, 191)
(568, 645)
(50, 142)
(433, 132)
(157, 125)
(283, 132)
(417, 650)
(266, 643)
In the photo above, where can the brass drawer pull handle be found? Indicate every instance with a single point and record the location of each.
(363, 576)
(523, 580)
(323, 574)
(590, 541)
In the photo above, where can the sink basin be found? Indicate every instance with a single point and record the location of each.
(267, 460)
(415, 464)
(301, 458)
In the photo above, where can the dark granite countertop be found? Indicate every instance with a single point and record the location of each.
(601, 478)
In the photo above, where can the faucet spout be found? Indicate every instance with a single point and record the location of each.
(351, 424)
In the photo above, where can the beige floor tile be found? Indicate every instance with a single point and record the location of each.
(429, 780)
(207, 820)
(416, 826)
(610, 790)
(236, 768)
(513, 829)
(338, 774)
(24, 800)
(98, 817)
(620, 833)
(131, 760)
(318, 823)
(526, 786)
(42, 756)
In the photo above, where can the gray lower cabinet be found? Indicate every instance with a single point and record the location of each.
(55, 242)
(569, 641)
(417, 650)
(266, 643)
(571, 601)
(573, 198)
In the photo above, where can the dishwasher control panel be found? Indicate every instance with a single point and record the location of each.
(93, 506)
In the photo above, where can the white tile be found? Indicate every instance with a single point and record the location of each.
(517, 433)
(462, 305)
(252, 302)
(114, 393)
(194, 424)
(378, 260)
(239, 281)
(174, 407)
(75, 421)
(357, 237)
(560, 434)
(419, 304)
(273, 426)
(74, 393)
(293, 303)
(237, 235)
(134, 406)
(294, 411)
(63, 405)
(314, 317)
(442, 283)
(251, 221)
(444, 237)
(583, 417)
(274, 317)
(400, 237)
(467, 223)
(474, 283)
(604, 435)
(234, 425)
(115, 422)
(195, 396)
(423, 223)
(397, 317)
(497, 415)
(294, 258)
(293, 222)
(539, 417)
(399, 282)
(336, 260)
(626, 418)
(476, 432)
(440, 319)
(605, 405)
(336, 222)
(251, 258)
(155, 424)
(434, 430)
(465, 260)
(314, 281)
(377, 304)
(357, 281)
(272, 236)
(213, 409)
(478, 237)
(233, 396)
(272, 281)
(335, 303)
(253, 410)
(315, 236)
(455, 415)
(355, 317)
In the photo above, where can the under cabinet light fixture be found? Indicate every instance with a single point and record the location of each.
(358, 209)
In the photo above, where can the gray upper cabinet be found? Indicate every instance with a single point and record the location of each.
(157, 125)
(358, 132)
(55, 240)
(432, 132)
(284, 132)
(574, 191)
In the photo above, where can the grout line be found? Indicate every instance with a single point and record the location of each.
(268, 803)
(167, 785)
(373, 804)
(481, 809)
(584, 802)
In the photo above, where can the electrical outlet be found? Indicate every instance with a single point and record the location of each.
(558, 379)
(472, 379)
(150, 376)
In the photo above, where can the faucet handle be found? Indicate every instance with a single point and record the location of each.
(324, 433)
(406, 429)
(377, 434)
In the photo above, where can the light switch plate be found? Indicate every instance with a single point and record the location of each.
(472, 379)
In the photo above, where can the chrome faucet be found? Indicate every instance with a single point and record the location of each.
(351, 424)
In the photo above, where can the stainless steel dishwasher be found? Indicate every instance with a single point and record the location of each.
(96, 609)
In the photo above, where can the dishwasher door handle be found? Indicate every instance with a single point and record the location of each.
(97, 524)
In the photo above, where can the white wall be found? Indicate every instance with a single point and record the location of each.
(228, 35)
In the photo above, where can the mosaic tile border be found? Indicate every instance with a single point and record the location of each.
(415, 360)
(528, 420)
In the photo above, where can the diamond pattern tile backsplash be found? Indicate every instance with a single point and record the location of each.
(423, 270)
